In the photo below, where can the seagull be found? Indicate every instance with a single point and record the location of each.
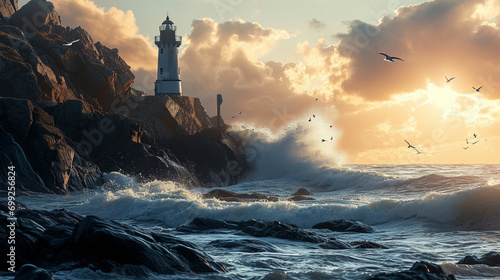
(475, 135)
(475, 142)
(390, 58)
(465, 148)
(331, 138)
(466, 141)
(314, 116)
(448, 80)
(418, 152)
(331, 126)
(477, 89)
(309, 119)
(323, 140)
(316, 99)
(71, 43)
(409, 145)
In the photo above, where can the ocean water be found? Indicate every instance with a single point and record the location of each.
(435, 213)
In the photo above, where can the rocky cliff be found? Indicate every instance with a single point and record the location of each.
(69, 113)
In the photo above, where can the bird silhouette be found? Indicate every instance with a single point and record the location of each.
(477, 89)
(475, 135)
(390, 58)
(314, 116)
(309, 119)
(331, 138)
(71, 43)
(409, 145)
(448, 80)
(465, 148)
(418, 152)
(466, 141)
(476, 142)
(331, 126)
(323, 140)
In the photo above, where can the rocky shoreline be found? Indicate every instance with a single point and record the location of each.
(62, 240)
(68, 114)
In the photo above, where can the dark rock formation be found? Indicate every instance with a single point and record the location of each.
(11, 154)
(344, 226)
(47, 150)
(213, 155)
(62, 240)
(7, 8)
(35, 15)
(246, 245)
(206, 224)
(300, 198)
(261, 228)
(239, 197)
(419, 270)
(32, 272)
(303, 191)
(490, 259)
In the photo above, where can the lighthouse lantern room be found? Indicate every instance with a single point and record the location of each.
(168, 80)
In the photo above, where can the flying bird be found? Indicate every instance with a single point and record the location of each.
(314, 116)
(477, 89)
(448, 80)
(466, 141)
(409, 145)
(475, 135)
(465, 148)
(331, 138)
(475, 142)
(418, 152)
(323, 140)
(71, 43)
(309, 119)
(331, 126)
(390, 58)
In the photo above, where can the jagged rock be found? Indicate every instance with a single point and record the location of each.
(367, 245)
(188, 112)
(47, 151)
(234, 196)
(213, 154)
(124, 77)
(419, 270)
(344, 226)
(246, 245)
(96, 239)
(204, 224)
(32, 272)
(491, 259)
(11, 154)
(303, 191)
(35, 15)
(300, 198)
(7, 8)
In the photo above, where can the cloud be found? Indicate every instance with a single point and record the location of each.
(436, 38)
(113, 27)
(316, 24)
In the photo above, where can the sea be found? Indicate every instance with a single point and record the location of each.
(421, 212)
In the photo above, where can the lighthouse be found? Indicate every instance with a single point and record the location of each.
(169, 79)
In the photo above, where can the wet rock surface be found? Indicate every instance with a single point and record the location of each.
(61, 240)
(420, 270)
(491, 259)
(344, 226)
(238, 197)
(261, 228)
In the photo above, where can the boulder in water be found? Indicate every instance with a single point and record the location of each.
(246, 245)
(300, 198)
(239, 197)
(344, 226)
(491, 259)
(419, 270)
(303, 191)
(32, 272)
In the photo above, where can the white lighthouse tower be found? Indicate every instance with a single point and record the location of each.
(169, 80)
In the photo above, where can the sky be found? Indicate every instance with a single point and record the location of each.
(280, 62)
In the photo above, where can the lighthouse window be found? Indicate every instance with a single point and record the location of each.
(161, 71)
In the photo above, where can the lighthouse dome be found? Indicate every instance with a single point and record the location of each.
(167, 21)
